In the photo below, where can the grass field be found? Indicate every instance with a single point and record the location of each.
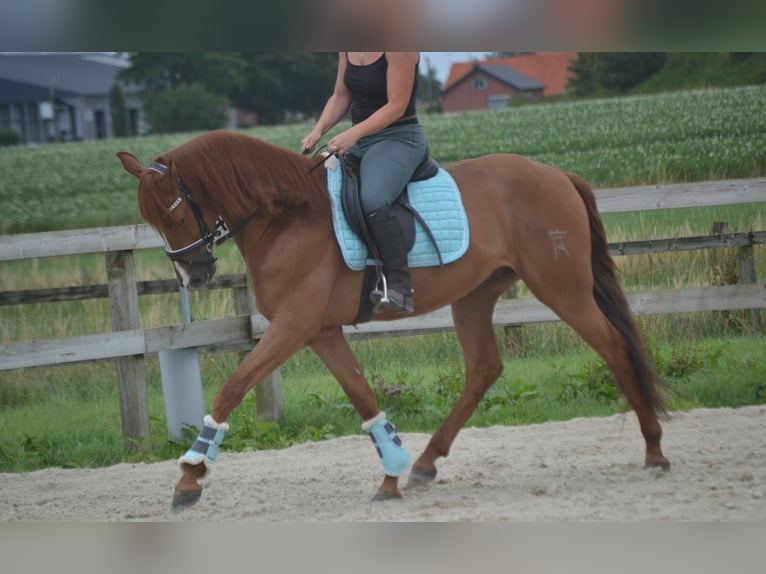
(689, 136)
(70, 415)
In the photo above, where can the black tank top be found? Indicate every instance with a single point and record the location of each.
(368, 86)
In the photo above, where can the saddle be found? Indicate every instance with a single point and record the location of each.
(405, 213)
(430, 210)
(402, 209)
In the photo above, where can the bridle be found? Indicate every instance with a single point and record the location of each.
(208, 239)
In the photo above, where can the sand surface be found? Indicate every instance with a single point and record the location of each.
(584, 469)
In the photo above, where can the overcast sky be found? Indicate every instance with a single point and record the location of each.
(442, 61)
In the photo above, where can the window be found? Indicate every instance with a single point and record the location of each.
(499, 102)
(480, 84)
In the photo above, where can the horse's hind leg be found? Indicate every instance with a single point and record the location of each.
(593, 326)
(472, 318)
(635, 377)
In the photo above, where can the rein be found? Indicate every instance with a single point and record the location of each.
(320, 162)
(208, 239)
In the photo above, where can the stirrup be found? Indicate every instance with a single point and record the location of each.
(380, 298)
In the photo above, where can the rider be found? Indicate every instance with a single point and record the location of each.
(379, 89)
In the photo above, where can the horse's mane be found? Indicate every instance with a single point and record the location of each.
(238, 175)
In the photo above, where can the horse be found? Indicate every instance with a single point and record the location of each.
(528, 221)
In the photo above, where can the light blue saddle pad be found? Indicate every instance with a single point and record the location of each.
(438, 202)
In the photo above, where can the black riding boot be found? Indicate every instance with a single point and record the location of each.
(395, 292)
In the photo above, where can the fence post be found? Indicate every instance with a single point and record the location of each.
(512, 338)
(131, 375)
(747, 276)
(269, 402)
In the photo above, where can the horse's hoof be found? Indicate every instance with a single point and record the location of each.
(421, 476)
(183, 499)
(383, 495)
(663, 464)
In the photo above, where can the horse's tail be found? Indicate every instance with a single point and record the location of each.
(611, 300)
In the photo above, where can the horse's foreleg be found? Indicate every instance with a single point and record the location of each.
(277, 345)
(332, 348)
(472, 317)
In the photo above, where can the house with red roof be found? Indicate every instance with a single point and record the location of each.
(494, 83)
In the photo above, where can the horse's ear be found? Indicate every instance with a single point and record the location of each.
(130, 163)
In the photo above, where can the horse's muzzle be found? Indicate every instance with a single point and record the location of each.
(195, 276)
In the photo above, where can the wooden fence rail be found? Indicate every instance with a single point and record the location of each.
(129, 344)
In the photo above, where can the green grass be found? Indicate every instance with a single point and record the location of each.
(686, 136)
(538, 388)
(690, 136)
(69, 416)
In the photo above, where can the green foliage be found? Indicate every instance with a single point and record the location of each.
(594, 381)
(119, 111)
(280, 82)
(268, 83)
(621, 71)
(674, 364)
(601, 74)
(249, 433)
(9, 137)
(696, 70)
(220, 73)
(186, 108)
(682, 361)
(582, 81)
(450, 381)
(502, 397)
(398, 395)
(605, 72)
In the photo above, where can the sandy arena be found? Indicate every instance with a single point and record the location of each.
(580, 470)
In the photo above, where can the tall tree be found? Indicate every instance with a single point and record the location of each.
(622, 71)
(221, 73)
(609, 72)
(118, 111)
(188, 107)
(279, 82)
(429, 89)
(269, 83)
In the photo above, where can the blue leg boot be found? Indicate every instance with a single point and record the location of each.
(205, 449)
(394, 459)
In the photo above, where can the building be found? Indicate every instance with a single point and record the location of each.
(62, 96)
(494, 83)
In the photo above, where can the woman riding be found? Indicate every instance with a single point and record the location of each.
(379, 89)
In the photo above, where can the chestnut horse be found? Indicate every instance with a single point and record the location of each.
(528, 221)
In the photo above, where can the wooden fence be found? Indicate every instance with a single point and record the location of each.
(128, 344)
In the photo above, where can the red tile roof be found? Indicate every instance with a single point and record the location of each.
(550, 68)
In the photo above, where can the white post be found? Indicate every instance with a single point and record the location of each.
(182, 384)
